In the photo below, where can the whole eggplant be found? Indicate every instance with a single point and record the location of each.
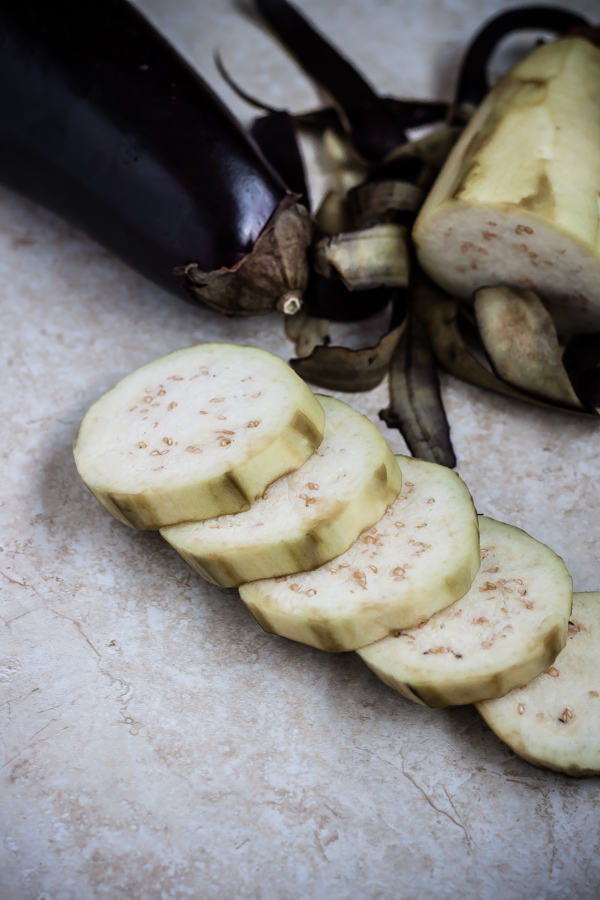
(102, 121)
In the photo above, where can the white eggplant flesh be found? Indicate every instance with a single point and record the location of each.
(516, 203)
(554, 721)
(303, 519)
(198, 433)
(421, 556)
(508, 628)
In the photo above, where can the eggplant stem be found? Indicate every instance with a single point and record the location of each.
(290, 304)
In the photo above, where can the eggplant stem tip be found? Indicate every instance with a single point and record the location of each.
(289, 304)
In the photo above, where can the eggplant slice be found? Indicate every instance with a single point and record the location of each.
(305, 518)
(193, 435)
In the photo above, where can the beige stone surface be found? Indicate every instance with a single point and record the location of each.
(155, 743)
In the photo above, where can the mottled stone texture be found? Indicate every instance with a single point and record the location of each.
(154, 742)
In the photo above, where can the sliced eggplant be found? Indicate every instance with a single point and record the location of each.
(421, 556)
(554, 721)
(108, 126)
(196, 434)
(509, 627)
(303, 519)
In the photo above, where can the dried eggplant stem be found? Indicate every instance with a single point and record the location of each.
(343, 369)
(416, 407)
(369, 258)
(521, 342)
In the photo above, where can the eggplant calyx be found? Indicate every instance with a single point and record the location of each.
(273, 275)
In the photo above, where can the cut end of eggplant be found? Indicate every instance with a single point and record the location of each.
(272, 276)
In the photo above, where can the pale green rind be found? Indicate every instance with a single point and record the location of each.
(290, 531)
(554, 721)
(345, 604)
(452, 673)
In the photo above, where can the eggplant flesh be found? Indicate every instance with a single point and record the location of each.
(102, 121)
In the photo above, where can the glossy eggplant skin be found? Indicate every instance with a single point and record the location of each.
(102, 121)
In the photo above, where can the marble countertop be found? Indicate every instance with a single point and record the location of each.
(154, 742)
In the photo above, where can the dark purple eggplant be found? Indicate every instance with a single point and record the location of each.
(473, 82)
(103, 122)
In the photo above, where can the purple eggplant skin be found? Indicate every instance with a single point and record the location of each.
(102, 121)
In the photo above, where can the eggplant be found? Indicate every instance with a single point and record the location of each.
(517, 201)
(102, 121)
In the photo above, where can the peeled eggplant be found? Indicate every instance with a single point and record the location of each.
(102, 121)
(517, 202)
